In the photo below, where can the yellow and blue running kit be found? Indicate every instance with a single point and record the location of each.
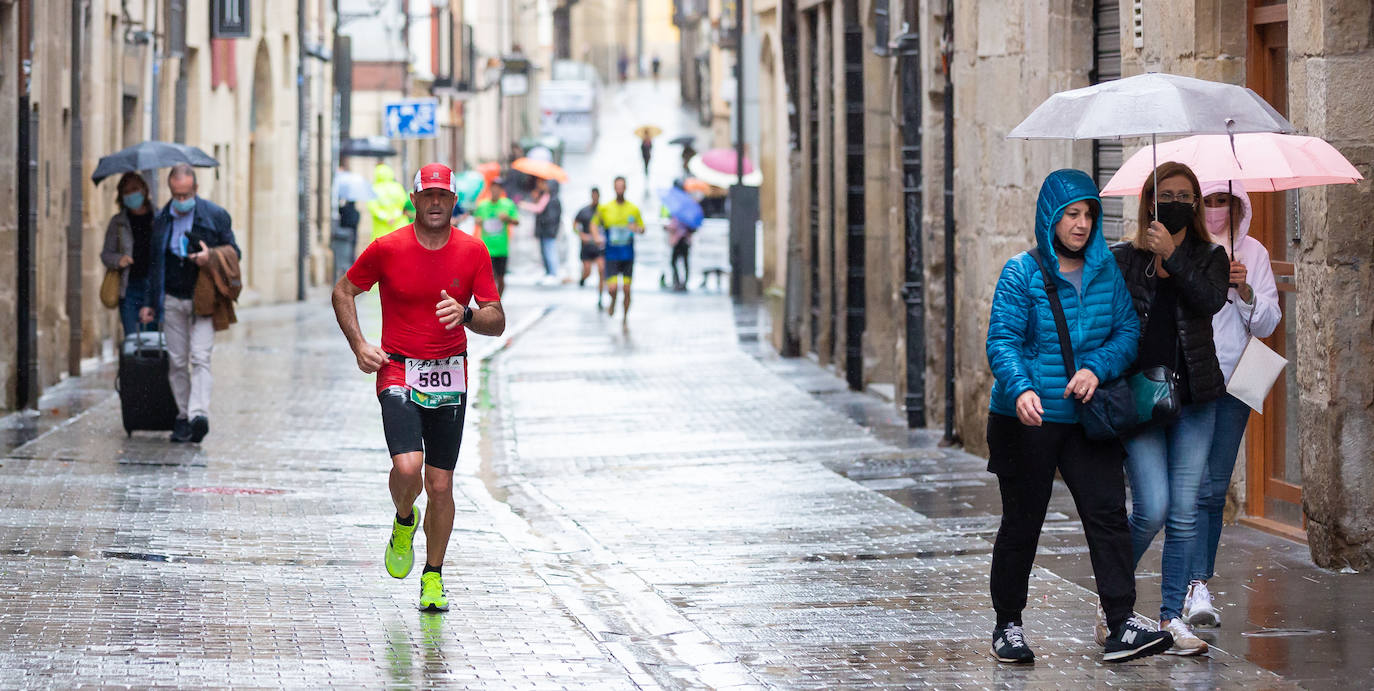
(615, 218)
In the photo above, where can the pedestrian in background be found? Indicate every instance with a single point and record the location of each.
(495, 215)
(548, 217)
(656, 64)
(343, 240)
(387, 206)
(127, 249)
(1033, 425)
(185, 233)
(1252, 307)
(646, 151)
(590, 252)
(1177, 278)
(680, 237)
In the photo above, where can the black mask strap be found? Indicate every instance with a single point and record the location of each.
(1063, 250)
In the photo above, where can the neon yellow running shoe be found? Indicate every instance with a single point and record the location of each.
(400, 556)
(432, 597)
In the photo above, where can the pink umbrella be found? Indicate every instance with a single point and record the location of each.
(723, 160)
(717, 167)
(1262, 161)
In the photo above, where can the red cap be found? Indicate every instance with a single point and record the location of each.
(435, 176)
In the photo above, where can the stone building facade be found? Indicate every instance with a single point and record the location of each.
(234, 98)
(839, 157)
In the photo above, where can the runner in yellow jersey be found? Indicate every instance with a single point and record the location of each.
(617, 222)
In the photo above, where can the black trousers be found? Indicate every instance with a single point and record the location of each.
(1024, 459)
(680, 249)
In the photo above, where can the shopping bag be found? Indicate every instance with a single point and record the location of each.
(1255, 373)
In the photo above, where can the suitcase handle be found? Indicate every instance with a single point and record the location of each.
(140, 348)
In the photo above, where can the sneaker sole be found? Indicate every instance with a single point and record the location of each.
(1205, 619)
(1011, 660)
(433, 608)
(1143, 651)
(1186, 652)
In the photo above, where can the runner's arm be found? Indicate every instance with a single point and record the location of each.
(489, 319)
(370, 357)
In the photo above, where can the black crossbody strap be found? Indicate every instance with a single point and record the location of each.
(1060, 323)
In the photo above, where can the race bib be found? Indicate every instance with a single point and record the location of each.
(493, 226)
(437, 383)
(619, 235)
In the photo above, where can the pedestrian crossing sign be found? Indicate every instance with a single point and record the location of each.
(412, 118)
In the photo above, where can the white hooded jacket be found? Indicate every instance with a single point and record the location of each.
(1229, 325)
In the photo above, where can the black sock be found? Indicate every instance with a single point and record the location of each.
(433, 569)
(408, 520)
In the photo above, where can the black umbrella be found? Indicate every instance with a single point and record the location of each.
(371, 147)
(684, 140)
(149, 156)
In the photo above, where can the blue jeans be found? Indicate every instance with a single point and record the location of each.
(1165, 465)
(131, 303)
(548, 249)
(1232, 417)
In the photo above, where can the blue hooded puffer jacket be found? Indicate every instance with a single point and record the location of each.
(1023, 344)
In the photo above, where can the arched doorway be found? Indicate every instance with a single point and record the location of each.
(261, 184)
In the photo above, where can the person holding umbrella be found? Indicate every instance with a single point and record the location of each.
(1033, 420)
(1178, 280)
(127, 249)
(1252, 307)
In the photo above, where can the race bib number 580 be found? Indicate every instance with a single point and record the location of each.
(436, 383)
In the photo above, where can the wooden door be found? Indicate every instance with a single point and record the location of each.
(1273, 472)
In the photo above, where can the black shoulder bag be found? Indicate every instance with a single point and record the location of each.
(1124, 404)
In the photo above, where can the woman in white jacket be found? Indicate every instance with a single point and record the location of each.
(1252, 307)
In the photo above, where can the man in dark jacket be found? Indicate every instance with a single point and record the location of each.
(183, 233)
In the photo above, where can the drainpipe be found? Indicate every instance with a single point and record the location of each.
(26, 172)
(75, 315)
(908, 49)
(950, 437)
(302, 156)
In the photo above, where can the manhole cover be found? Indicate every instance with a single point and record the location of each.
(230, 490)
(1277, 633)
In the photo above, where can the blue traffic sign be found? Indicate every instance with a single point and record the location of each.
(411, 119)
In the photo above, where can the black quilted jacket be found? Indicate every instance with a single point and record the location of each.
(1201, 271)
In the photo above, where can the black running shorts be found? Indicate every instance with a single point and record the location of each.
(590, 251)
(438, 432)
(624, 268)
(498, 265)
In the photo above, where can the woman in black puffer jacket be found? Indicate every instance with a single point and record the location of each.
(1177, 279)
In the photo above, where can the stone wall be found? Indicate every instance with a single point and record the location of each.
(9, 210)
(1331, 55)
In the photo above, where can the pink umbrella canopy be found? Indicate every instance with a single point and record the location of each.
(1262, 161)
(723, 161)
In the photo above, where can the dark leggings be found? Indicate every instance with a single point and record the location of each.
(680, 249)
(1025, 459)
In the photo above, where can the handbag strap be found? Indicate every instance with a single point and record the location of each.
(1060, 323)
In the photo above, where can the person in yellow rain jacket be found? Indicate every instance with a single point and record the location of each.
(388, 206)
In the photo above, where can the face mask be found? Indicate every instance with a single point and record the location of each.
(1216, 219)
(184, 206)
(133, 200)
(1063, 250)
(1175, 216)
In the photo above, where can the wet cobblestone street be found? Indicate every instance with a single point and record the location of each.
(641, 508)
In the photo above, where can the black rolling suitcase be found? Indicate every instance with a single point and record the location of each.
(145, 396)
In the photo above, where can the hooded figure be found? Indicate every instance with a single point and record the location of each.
(1023, 344)
(388, 206)
(1262, 312)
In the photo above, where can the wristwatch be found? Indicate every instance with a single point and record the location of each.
(467, 314)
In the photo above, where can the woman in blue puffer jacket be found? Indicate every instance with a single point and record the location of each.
(1033, 423)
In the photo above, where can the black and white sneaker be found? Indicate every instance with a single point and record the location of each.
(1009, 644)
(1135, 640)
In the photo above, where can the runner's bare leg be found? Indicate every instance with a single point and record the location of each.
(438, 514)
(625, 306)
(405, 481)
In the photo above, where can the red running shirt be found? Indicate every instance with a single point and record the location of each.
(411, 278)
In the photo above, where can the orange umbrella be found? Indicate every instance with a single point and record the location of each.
(489, 170)
(547, 170)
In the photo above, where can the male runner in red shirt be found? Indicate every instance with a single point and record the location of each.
(428, 273)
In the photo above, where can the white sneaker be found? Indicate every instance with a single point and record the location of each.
(1101, 632)
(1185, 643)
(1198, 609)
